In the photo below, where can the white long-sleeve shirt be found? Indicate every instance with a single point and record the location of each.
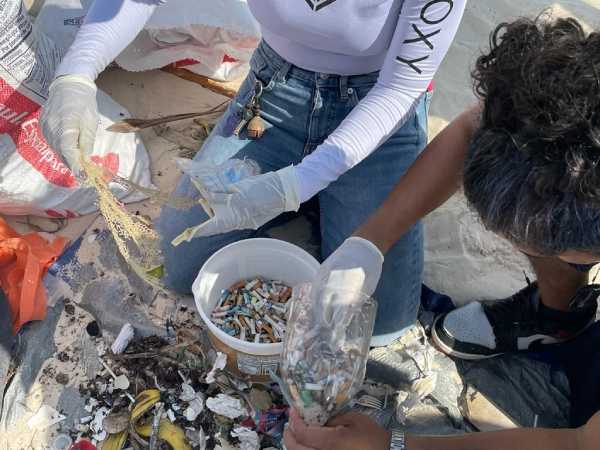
(405, 40)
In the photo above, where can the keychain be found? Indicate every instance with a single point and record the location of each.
(251, 116)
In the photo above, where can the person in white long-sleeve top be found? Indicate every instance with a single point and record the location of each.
(344, 88)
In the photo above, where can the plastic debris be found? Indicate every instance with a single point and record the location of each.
(83, 444)
(272, 422)
(187, 393)
(171, 415)
(91, 404)
(120, 382)
(195, 407)
(248, 438)
(227, 406)
(179, 378)
(45, 418)
(123, 339)
(195, 401)
(406, 400)
(220, 363)
(24, 261)
(214, 178)
(97, 426)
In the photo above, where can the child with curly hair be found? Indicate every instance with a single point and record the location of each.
(528, 157)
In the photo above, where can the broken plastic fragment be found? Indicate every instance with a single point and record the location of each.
(249, 439)
(171, 415)
(227, 406)
(195, 407)
(92, 403)
(121, 383)
(187, 393)
(97, 426)
(220, 363)
(99, 437)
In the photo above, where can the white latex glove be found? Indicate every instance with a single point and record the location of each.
(346, 278)
(70, 118)
(247, 204)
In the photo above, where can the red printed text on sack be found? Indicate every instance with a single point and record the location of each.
(33, 148)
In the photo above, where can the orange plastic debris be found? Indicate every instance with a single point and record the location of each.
(24, 260)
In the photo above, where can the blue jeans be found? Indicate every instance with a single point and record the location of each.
(300, 109)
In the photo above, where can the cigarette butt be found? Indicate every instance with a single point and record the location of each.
(238, 285)
(287, 293)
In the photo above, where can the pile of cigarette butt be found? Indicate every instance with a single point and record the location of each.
(254, 310)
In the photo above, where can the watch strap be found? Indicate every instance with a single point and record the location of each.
(398, 441)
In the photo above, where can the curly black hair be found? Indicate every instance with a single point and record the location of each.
(532, 172)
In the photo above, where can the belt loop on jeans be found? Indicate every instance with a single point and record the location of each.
(283, 72)
(344, 88)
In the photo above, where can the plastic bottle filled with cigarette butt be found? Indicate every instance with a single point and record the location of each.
(324, 364)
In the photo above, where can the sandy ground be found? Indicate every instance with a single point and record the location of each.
(462, 259)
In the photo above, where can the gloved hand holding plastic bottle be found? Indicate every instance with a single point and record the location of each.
(329, 329)
(70, 118)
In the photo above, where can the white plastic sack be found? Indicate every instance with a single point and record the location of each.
(215, 39)
(33, 178)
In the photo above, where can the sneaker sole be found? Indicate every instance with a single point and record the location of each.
(441, 346)
(444, 348)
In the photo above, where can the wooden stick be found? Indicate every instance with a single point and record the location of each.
(212, 85)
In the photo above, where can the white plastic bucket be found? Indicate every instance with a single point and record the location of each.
(267, 258)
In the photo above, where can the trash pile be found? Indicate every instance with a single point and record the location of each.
(254, 311)
(150, 392)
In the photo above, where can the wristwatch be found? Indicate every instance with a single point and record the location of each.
(398, 440)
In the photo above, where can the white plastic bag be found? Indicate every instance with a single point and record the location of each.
(33, 178)
(215, 39)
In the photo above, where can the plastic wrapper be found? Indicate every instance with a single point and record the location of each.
(206, 176)
(323, 366)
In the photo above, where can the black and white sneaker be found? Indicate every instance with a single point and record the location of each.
(486, 329)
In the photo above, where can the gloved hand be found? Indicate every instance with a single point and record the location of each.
(247, 204)
(70, 118)
(346, 278)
